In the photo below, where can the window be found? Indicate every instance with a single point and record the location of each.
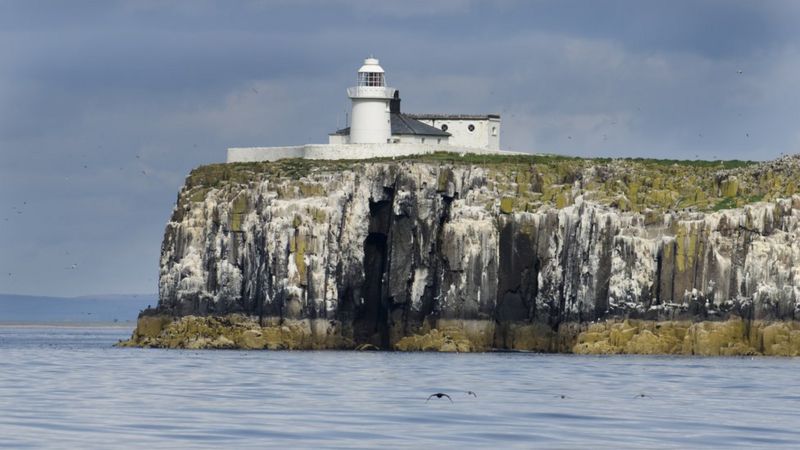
(439, 141)
(494, 131)
(444, 127)
(471, 128)
(370, 79)
(423, 140)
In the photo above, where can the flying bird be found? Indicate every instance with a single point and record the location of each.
(642, 396)
(439, 395)
(471, 393)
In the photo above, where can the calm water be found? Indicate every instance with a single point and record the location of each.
(68, 388)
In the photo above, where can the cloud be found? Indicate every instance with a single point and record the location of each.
(93, 94)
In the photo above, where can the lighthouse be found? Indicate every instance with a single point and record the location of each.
(379, 129)
(370, 115)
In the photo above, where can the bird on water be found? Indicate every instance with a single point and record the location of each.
(439, 395)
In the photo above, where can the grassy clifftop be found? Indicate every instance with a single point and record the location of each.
(528, 182)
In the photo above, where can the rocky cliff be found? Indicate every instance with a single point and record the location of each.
(477, 252)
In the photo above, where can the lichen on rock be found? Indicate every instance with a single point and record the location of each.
(722, 338)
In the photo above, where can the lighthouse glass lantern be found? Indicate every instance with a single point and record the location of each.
(371, 79)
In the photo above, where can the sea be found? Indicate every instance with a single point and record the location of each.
(69, 387)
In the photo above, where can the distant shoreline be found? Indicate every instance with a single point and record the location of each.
(126, 325)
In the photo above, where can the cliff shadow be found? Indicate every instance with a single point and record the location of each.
(371, 314)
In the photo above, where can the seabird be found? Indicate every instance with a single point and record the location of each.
(471, 393)
(439, 395)
(642, 396)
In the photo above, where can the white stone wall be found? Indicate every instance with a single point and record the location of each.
(428, 140)
(485, 135)
(346, 151)
(336, 139)
(250, 154)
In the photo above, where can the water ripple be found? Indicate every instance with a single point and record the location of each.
(67, 387)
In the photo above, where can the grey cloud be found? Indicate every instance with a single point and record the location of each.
(94, 94)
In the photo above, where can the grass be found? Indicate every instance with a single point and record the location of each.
(725, 203)
(636, 184)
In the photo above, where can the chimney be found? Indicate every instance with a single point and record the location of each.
(394, 103)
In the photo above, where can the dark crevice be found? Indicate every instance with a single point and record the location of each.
(517, 261)
(372, 317)
(371, 320)
(606, 235)
(439, 265)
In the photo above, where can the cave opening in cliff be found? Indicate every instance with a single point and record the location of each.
(371, 322)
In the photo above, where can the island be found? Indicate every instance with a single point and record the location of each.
(479, 252)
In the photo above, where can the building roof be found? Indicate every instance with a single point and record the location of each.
(454, 116)
(404, 124)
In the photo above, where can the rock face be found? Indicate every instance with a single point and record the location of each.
(465, 256)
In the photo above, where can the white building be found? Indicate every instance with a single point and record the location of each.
(379, 129)
(476, 131)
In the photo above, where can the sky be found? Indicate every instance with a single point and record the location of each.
(106, 106)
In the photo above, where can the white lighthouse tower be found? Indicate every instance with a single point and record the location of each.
(370, 118)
